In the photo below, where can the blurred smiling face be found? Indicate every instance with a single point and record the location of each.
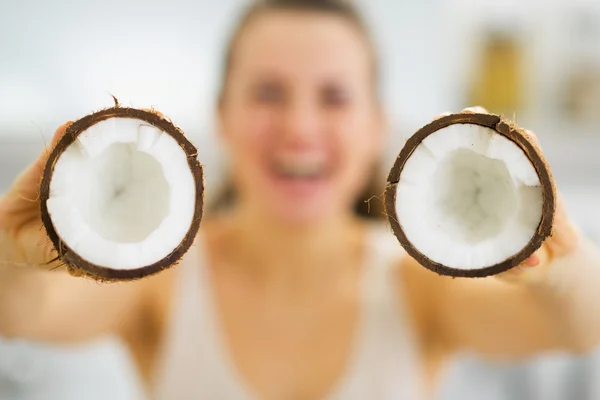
(299, 115)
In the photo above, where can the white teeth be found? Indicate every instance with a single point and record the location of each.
(299, 169)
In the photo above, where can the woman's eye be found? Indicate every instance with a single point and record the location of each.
(335, 97)
(268, 93)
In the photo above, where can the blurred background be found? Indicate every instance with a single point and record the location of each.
(536, 61)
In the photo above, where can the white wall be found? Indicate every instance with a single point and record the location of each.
(61, 59)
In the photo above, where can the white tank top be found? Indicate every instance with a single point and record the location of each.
(384, 365)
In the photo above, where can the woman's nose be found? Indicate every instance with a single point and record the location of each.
(303, 121)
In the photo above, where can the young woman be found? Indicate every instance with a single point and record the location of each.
(289, 293)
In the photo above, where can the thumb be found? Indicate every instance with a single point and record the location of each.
(29, 181)
(58, 134)
(21, 202)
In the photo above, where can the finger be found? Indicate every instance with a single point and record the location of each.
(532, 261)
(153, 111)
(58, 134)
(36, 246)
(565, 236)
(561, 208)
(533, 137)
(20, 205)
(538, 259)
(31, 177)
(476, 110)
(531, 264)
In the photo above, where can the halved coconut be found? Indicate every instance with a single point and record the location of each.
(122, 195)
(470, 195)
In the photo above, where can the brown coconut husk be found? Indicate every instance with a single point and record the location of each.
(518, 136)
(75, 264)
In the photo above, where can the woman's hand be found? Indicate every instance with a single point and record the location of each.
(56, 306)
(563, 243)
(23, 240)
(551, 302)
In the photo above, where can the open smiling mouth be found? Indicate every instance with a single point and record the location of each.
(294, 170)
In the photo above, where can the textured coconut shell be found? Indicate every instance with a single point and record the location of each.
(80, 267)
(531, 149)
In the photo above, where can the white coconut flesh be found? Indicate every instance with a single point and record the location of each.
(468, 197)
(122, 196)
